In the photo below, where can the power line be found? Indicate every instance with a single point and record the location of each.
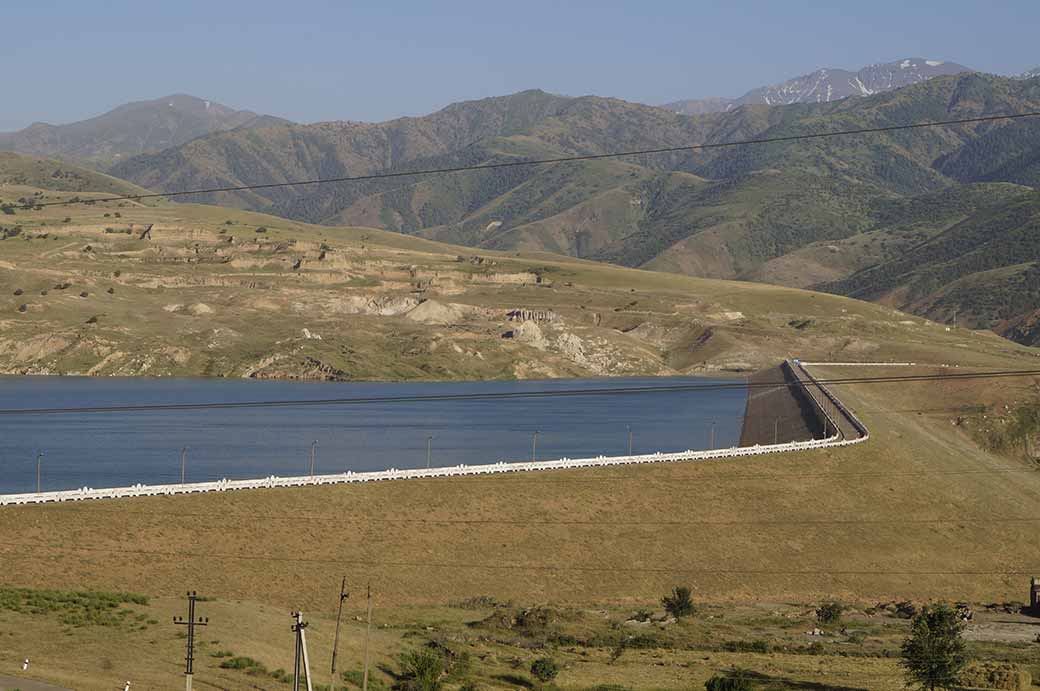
(26, 550)
(547, 161)
(613, 391)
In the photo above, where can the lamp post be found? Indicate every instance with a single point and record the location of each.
(39, 457)
(184, 460)
(776, 431)
(629, 428)
(534, 447)
(712, 446)
(314, 448)
(429, 446)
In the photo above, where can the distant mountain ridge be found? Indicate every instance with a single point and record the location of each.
(131, 129)
(825, 85)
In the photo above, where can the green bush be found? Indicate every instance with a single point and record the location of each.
(720, 683)
(756, 646)
(421, 670)
(679, 603)
(544, 669)
(246, 664)
(830, 612)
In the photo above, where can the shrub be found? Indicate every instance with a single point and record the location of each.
(421, 670)
(23, 308)
(678, 603)
(756, 646)
(246, 664)
(830, 612)
(261, 229)
(18, 291)
(720, 683)
(544, 669)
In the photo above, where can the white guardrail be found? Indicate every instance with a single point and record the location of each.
(272, 481)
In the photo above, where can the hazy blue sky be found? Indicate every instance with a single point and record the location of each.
(311, 60)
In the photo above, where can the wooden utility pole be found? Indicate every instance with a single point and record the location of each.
(368, 634)
(191, 622)
(339, 614)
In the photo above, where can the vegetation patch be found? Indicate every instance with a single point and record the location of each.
(74, 608)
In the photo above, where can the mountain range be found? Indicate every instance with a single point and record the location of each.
(828, 84)
(131, 129)
(840, 214)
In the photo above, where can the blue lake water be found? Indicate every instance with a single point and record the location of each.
(121, 448)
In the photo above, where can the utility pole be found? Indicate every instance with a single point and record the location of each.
(629, 427)
(191, 622)
(429, 446)
(302, 662)
(534, 447)
(776, 431)
(343, 594)
(368, 634)
(184, 459)
(712, 435)
(39, 456)
(314, 447)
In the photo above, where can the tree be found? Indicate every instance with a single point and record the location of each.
(544, 669)
(421, 670)
(934, 654)
(829, 612)
(679, 603)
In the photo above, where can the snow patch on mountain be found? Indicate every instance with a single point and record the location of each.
(825, 85)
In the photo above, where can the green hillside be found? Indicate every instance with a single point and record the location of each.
(979, 272)
(18, 172)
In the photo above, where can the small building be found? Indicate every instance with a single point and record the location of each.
(1034, 595)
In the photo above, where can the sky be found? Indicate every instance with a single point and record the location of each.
(313, 60)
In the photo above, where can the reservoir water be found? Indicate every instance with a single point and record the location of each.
(111, 449)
